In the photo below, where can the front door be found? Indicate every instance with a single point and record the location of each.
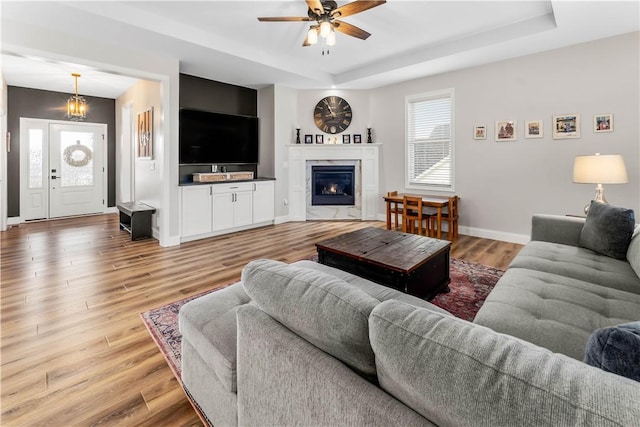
(66, 160)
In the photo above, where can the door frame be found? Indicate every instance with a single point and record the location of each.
(24, 125)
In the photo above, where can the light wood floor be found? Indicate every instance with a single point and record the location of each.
(73, 348)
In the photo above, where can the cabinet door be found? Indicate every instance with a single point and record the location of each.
(196, 210)
(243, 208)
(263, 202)
(223, 211)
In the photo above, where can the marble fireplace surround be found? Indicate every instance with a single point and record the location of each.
(366, 159)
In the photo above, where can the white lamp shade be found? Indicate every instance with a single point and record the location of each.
(312, 35)
(331, 38)
(600, 169)
(325, 28)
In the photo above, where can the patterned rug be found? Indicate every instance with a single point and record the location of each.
(470, 285)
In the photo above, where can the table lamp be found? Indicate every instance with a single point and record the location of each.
(599, 169)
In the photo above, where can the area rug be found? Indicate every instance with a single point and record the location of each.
(470, 285)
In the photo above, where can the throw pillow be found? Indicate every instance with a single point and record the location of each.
(608, 230)
(616, 349)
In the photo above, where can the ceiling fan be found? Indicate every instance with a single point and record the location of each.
(325, 14)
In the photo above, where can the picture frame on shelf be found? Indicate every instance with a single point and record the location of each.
(480, 132)
(357, 139)
(566, 126)
(533, 129)
(308, 139)
(346, 139)
(319, 139)
(506, 131)
(603, 123)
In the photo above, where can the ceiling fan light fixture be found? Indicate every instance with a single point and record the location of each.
(325, 28)
(331, 38)
(312, 35)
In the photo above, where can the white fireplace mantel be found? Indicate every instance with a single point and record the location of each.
(299, 154)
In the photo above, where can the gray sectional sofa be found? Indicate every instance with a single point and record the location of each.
(306, 344)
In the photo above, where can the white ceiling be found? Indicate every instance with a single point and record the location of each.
(223, 40)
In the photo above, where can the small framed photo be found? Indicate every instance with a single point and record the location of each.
(346, 139)
(566, 126)
(357, 139)
(308, 139)
(319, 139)
(480, 132)
(533, 129)
(506, 130)
(603, 123)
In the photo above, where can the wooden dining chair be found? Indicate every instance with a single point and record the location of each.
(413, 215)
(394, 208)
(450, 217)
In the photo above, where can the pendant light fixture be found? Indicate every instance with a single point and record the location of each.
(76, 105)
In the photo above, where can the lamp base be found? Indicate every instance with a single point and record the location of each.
(599, 197)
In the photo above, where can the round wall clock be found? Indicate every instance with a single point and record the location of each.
(332, 114)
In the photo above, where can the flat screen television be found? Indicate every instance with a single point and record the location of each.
(216, 138)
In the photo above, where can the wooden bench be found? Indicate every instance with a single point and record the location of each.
(136, 219)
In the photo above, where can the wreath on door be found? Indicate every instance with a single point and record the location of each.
(77, 155)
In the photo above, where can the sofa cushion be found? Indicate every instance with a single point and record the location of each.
(578, 263)
(616, 349)
(633, 253)
(553, 311)
(608, 229)
(379, 292)
(450, 371)
(208, 323)
(322, 309)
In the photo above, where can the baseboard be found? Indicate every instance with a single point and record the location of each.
(281, 219)
(14, 220)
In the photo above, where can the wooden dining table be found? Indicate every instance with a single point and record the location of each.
(437, 202)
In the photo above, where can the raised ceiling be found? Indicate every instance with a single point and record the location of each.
(223, 40)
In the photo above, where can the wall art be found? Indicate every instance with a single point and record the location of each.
(533, 129)
(603, 123)
(506, 130)
(566, 126)
(480, 132)
(145, 134)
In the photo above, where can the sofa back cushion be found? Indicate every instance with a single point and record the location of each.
(608, 230)
(454, 372)
(633, 253)
(324, 310)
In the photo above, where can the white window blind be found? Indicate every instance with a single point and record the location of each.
(430, 140)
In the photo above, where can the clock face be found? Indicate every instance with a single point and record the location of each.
(332, 114)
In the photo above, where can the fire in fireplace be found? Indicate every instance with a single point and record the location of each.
(333, 185)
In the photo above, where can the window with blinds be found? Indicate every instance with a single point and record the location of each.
(429, 143)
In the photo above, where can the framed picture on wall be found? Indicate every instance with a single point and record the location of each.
(319, 139)
(308, 139)
(145, 134)
(603, 123)
(533, 129)
(346, 139)
(566, 126)
(506, 130)
(480, 132)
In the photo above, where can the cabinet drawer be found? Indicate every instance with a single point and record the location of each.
(232, 188)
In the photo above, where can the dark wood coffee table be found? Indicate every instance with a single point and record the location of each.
(410, 263)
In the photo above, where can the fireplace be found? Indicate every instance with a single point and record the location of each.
(333, 185)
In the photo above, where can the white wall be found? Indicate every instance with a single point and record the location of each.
(3, 153)
(285, 115)
(502, 184)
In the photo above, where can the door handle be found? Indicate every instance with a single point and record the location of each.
(54, 177)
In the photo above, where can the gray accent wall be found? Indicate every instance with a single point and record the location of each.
(43, 104)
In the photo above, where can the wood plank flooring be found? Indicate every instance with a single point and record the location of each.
(73, 348)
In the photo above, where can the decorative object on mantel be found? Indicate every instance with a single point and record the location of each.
(324, 13)
(599, 169)
(297, 135)
(346, 139)
(566, 126)
(308, 139)
(357, 139)
(369, 141)
(603, 123)
(319, 139)
(145, 134)
(76, 104)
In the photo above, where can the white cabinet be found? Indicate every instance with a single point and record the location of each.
(232, 205)
(207, 210)
(196, 210)
(263, 202)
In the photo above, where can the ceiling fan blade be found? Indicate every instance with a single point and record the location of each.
(316, 6)
(284, 19)
(350, 30)
(355, 7)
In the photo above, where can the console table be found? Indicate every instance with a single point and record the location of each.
(136, 219)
